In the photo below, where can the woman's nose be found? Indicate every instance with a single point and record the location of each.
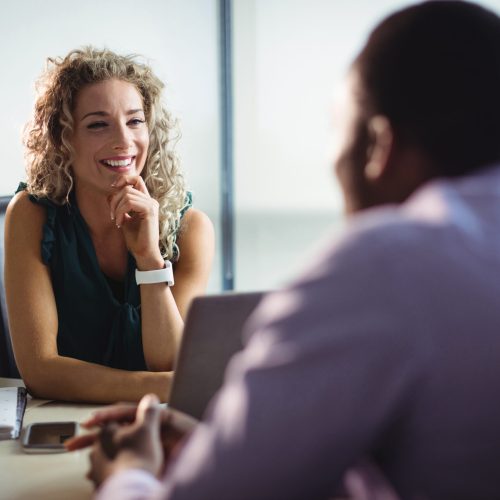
(121, 139)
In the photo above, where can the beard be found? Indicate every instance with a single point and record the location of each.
(350, 167)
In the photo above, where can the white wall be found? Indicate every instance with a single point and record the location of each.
(180, 39)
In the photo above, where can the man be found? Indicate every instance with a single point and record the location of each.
(388, 346)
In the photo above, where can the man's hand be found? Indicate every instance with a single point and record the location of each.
(174, 426)
(134, 446)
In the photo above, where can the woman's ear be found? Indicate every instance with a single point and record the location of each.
(381, 135)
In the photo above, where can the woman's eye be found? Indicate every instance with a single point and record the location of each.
(97, 125)
(136, 121)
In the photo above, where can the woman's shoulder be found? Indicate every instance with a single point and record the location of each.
(197, 232)
(21, 209)
(31, 221)
(24, 223)
(195, 220)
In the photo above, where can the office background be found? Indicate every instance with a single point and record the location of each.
(287, 58)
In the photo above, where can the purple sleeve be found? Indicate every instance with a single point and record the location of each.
(132, 484)
(330, 361)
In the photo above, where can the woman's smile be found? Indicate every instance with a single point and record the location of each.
(119, 164)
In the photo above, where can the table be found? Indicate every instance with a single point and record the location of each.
(58, 476)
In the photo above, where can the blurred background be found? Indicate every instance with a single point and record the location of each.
(287, 57)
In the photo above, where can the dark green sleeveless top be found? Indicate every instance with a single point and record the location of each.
(95, 324)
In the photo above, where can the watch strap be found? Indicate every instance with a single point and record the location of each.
(165, 275)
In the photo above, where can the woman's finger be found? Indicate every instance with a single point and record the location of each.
(134, 205)
(115, 199)
(120, 203)
(136, 181)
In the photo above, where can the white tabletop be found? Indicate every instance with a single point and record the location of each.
(58, 476)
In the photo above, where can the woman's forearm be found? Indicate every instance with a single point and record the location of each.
(162, 326)
(164, 309)
(71, 379)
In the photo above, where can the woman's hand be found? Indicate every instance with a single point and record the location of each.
(136, 214)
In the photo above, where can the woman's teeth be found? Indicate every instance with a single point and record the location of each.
(117, 163)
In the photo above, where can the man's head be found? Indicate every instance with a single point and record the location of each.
(424, 101)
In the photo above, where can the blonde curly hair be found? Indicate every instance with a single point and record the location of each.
(47, 136)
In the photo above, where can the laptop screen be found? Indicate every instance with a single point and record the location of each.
(212, 334)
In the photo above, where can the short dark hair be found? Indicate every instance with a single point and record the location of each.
(434, 70)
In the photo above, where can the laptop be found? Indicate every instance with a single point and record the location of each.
(212, 334)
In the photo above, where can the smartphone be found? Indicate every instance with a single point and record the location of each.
(48, 437)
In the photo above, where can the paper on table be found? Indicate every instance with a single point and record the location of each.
(12, 406)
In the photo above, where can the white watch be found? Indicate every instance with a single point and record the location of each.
(157, 276)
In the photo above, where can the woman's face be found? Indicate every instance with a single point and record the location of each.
(110, 134)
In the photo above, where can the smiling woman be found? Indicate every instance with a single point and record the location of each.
(94, 237)
(110, 134)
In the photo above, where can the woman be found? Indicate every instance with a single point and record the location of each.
(91, 239)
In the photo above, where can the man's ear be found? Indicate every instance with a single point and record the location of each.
(382, 137)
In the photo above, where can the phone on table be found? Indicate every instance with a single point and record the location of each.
(48, 437)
